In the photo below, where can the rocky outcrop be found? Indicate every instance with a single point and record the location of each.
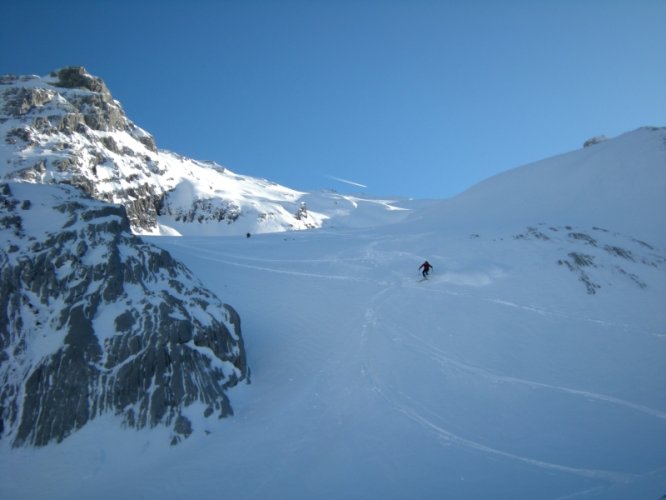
(76, 77)
(67, 128)
(71, 125)
(202, 210)
(72, 99)
(93, 320)
(594, 140)
(592, 253)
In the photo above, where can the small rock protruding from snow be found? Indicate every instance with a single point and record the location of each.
(594, 140)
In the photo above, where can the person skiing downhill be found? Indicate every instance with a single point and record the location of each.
(427, 266)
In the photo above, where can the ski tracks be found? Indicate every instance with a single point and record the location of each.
(235, 261)
(425, 418)
(543, 312)
(449, 437)
(440, 357)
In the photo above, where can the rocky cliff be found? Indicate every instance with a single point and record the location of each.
(93, 320)
(67, 128)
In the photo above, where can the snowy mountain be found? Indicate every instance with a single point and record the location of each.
(79, 290)
(530, 365)
(500, 377)
(96, 321)
(67, 128)
(618, 184)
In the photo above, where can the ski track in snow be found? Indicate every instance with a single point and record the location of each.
(435, 353)
(406, 405)
(216, 253)
(448, 436)
(370, 254)
(542, 312)
(439, 356)
(217, 260)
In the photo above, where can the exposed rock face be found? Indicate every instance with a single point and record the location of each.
(71, 126)
(203, 210)
(594, 140)
(94, 320)
(67, 128)
(76, 77)
(592, 252)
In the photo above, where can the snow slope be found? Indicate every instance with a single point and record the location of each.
(499, 377)
(618, 184)
(530, 365)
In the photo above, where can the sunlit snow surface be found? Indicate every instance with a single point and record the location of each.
(529, 366)
(498, 377)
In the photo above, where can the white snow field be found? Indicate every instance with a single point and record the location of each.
(529, 366)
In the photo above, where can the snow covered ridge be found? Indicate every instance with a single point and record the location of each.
(93, 320)
(618, 184)
(67, 128)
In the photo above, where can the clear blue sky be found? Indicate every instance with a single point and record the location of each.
(418, 98)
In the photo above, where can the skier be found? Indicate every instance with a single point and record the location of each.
(427, 266)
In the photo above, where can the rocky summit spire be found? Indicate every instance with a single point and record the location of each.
(76, 77)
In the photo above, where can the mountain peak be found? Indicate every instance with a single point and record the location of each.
(76, 77)
(67, 128)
